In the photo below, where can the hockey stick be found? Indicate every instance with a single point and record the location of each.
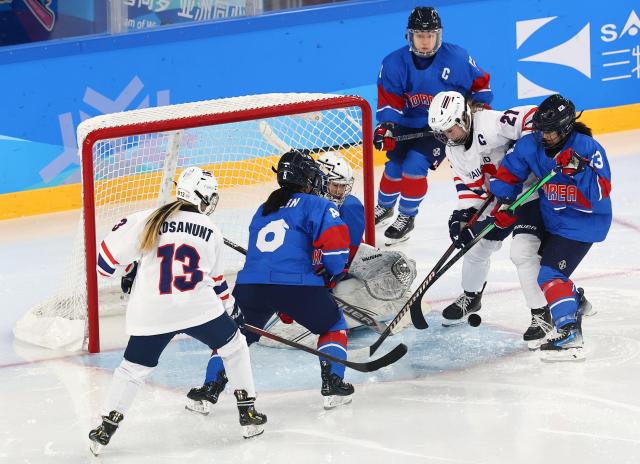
(424, 286)
(369, 366)
(417, 318)
(235, 246)
(415, 135)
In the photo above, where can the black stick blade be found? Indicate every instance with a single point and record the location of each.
(383, 361)
(417, 318)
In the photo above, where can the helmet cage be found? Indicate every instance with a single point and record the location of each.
(336, 171)
(412, 46)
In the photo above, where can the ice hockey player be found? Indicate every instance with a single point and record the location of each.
(278, 274)
(377, 284)
(169, 297)
(477, 140)
(408, 80)
(575, 211)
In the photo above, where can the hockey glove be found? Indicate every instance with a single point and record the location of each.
(458, 220)
(383, 137)
(331, 281)
(504, 218)
(126, 283)
(237, 315)
(570, 163)
(285, 318)
(466, 236)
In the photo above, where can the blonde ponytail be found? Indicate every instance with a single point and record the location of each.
(149, 236)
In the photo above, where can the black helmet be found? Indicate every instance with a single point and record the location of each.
(421, 19)
(296, 168)
(555, 113)
(424, 18)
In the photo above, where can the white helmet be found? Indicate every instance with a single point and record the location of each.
(449, 109)
(339, 177)
(198, 187)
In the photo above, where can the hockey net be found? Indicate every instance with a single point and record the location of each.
(129, 161)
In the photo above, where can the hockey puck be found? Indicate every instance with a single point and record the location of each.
(474, 320)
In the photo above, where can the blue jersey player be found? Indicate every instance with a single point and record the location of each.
(409, 79)
(575, 211)
(278, 275)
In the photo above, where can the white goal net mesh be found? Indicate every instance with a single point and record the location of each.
(239, 139)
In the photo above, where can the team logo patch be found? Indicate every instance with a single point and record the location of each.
(562, 265)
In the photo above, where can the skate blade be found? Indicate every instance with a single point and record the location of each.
(454, 322)
(534, 345)
(333, 401)
(394, 241)
(95, 448)
(570, 354)
(199, 407)
(587, 310)
(250, 431)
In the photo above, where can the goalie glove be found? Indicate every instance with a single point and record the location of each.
(383, 137)
(570, 163)
(126, 282)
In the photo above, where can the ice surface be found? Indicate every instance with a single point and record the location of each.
(461, 394)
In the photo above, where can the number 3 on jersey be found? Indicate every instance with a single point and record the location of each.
(271, 236)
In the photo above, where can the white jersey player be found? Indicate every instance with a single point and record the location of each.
(172, 256)
(476, 143)
(378, 281)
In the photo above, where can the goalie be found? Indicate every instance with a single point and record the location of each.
(377, 285)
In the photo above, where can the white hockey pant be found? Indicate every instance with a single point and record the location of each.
(476, 263)
(524, 254)
(237, 364)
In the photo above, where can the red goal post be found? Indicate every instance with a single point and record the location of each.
(129, 159)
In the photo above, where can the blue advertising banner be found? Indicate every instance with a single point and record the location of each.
(584, 50)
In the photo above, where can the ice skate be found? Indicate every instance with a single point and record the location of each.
(540, 326)
(382, 215)
(563, 344)
(584, 306)
(399, 230)
(200, 399)
(101, 435)
(456, 313)
(335, 390)
(251, 420)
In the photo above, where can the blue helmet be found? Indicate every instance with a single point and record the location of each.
(296, 168)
